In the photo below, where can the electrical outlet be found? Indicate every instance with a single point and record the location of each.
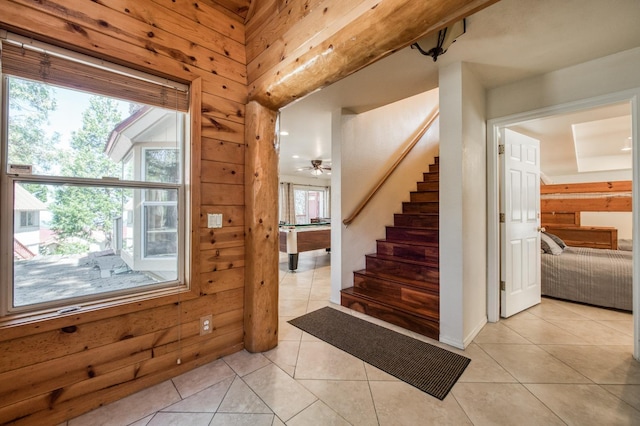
(206, 324)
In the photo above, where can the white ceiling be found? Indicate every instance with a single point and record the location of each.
(506, 42)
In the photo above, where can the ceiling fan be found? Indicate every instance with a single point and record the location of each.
(316, 168)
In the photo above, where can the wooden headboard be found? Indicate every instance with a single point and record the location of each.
(561, 205)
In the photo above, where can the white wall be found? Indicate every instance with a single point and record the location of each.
(371, 143)
(336, 206)
(462, 206)
(599, 77)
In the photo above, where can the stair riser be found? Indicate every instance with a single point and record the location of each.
(423, 221)
(424, 196)
(429, 186)
(428, 207)
(434, 168)
(404, 320)
(402, 269)
(430, 177)
(412, 234)
(425, 302)
(429, 254)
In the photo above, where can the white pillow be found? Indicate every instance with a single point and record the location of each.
(548, 245)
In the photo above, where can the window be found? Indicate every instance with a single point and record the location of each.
(310, 204)
(28, 219)
(99, 150)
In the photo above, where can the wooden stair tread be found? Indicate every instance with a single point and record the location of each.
(406, 282)
(353, 291)
(397, 259)
(418, 228)
(409, 242)
(376, 308)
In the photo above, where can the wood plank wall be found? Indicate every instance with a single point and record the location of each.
(52, 369)
(594, 197)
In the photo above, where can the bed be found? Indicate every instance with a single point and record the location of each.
(598, 277)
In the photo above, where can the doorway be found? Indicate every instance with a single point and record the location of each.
(495, 128)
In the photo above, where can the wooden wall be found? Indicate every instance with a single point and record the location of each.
(55, 368)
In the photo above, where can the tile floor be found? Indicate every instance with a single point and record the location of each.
(557, 363)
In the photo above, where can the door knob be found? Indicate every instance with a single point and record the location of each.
(541, 229)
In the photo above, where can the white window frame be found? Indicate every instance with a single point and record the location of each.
(7, 212)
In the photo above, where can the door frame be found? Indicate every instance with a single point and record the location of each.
(493, 193)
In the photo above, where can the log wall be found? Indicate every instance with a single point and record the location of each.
(55, 368)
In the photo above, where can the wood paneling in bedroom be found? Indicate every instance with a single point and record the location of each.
(52, 369)
(596, 204)
(612, 196)
(579, 188)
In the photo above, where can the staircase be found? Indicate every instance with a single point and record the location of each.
(401, 281)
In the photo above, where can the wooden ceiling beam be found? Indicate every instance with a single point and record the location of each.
(384, 28)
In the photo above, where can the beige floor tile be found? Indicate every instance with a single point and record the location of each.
(524, 315)
(595, 333)
(400, 404)
(292, 308)
(552, 310)
(277, 422)
(306, 337)
(317, 414)
(244, 362)
(530, 364)
(623, 326)
(320, 290)
(502, 404)
(141, 422)
(628, 393)
(131, 408)
(225, 419)
(287, 331)
(314, 305)
(284, 396)
(539, 331)
(585, 404)
(180, 419)
(241, 399)
(203, 377)
(319, 360)
(483, 368)
(602, 364)
(294, 293)
(350, 399)
(375, 374)
(499, 333)
(285, 355)
(593, 312)
(297, 280)
(205, 401)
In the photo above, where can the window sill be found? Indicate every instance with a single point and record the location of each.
(16, 325)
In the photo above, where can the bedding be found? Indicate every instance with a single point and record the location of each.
(598, 277)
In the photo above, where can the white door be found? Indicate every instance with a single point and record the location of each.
(520, 231)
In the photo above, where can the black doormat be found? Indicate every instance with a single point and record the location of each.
(429, 368)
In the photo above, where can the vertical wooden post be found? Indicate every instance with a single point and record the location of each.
(261, 229)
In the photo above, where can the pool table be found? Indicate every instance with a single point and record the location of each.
(295, 239)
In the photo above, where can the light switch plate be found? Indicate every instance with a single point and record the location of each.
(214, 220)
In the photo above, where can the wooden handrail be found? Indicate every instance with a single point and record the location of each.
(393, 167)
